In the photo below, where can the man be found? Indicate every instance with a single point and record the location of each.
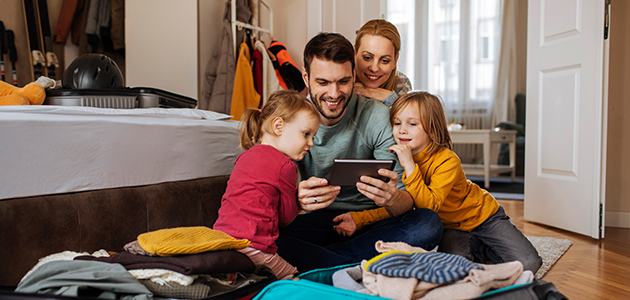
(351, 126)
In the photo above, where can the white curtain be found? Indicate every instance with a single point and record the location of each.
(505, 92)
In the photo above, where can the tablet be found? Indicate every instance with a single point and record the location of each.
(349, 171)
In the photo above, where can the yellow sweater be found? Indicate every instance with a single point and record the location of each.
(188, 240)
(438, 182)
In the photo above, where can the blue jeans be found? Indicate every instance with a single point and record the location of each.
(496, 240)
(310, 242)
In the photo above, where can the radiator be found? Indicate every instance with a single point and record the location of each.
(470, 153)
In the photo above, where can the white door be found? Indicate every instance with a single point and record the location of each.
(566, 101)
(342, 16)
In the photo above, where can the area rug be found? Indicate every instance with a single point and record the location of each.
(550, 250)
(502, 187)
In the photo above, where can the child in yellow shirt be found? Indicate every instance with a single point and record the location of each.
(475, 224)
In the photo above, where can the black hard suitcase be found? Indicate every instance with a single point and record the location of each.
(537, 289)
(127, 98)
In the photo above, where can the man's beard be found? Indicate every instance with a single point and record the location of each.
(318, 104)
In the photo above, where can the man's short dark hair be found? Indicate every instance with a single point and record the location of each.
(328, 46)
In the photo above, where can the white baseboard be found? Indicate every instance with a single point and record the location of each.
(618, 219)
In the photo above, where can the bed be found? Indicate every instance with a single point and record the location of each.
(61, 149)
(84, 179)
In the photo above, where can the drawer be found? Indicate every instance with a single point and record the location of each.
(504, 137)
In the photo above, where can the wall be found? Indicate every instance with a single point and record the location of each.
(162, 45)
(618, 165)
(289, 26)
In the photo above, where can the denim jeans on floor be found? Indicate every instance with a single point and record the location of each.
(496, 240)
(310, 242)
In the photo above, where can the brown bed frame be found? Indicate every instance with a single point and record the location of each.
(34, 227)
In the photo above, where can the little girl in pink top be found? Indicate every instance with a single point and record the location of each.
(261, 193)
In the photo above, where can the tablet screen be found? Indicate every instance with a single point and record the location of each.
(349, 171)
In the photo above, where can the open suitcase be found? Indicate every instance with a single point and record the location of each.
(318, 284)
(241, 293)
(137, 97)
(315, 284)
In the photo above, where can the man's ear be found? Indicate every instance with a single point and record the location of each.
(305, 77)
(277, 126)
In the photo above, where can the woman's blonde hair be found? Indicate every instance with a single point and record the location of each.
(380, 27)
(432, 117)
(283, 104)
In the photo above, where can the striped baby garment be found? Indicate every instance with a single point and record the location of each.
(435, 267)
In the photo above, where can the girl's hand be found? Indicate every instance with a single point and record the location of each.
(379, 94)
(347, 227)
(404, 157)
(315, 193)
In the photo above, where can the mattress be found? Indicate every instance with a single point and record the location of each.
(59, 149)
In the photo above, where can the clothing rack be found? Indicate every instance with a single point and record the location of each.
(239, 24)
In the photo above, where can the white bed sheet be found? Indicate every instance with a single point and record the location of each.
(59, 149)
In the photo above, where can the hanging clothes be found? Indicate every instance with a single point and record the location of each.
(118, 24)
(257, 71)
(248, 39)
(287, 67)
(269, 78)
(70, 18)
(216, 92)
(99, 17)
(276, 68)
(244, 93)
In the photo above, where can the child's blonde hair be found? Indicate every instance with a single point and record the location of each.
(432, 118)
(283, 104)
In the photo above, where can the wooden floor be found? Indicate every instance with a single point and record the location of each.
(590, 269)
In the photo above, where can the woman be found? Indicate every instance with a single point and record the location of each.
(376, 49)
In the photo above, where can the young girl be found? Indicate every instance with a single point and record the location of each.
(261, 193)
(475, 224)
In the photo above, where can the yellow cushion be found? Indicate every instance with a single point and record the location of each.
(188, 240)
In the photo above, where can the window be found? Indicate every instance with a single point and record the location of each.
(455, 43)
(400, 13)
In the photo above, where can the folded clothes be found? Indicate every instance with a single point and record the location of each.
(65, 255)
(78, 278)
(163, 277)
(350, 279)
(188, 240)
(197, 290)
(382, 247)
(478, 282)
(211, 262)
(435, 267)
(135, 248)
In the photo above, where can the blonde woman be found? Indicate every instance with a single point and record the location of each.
(376, 49)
